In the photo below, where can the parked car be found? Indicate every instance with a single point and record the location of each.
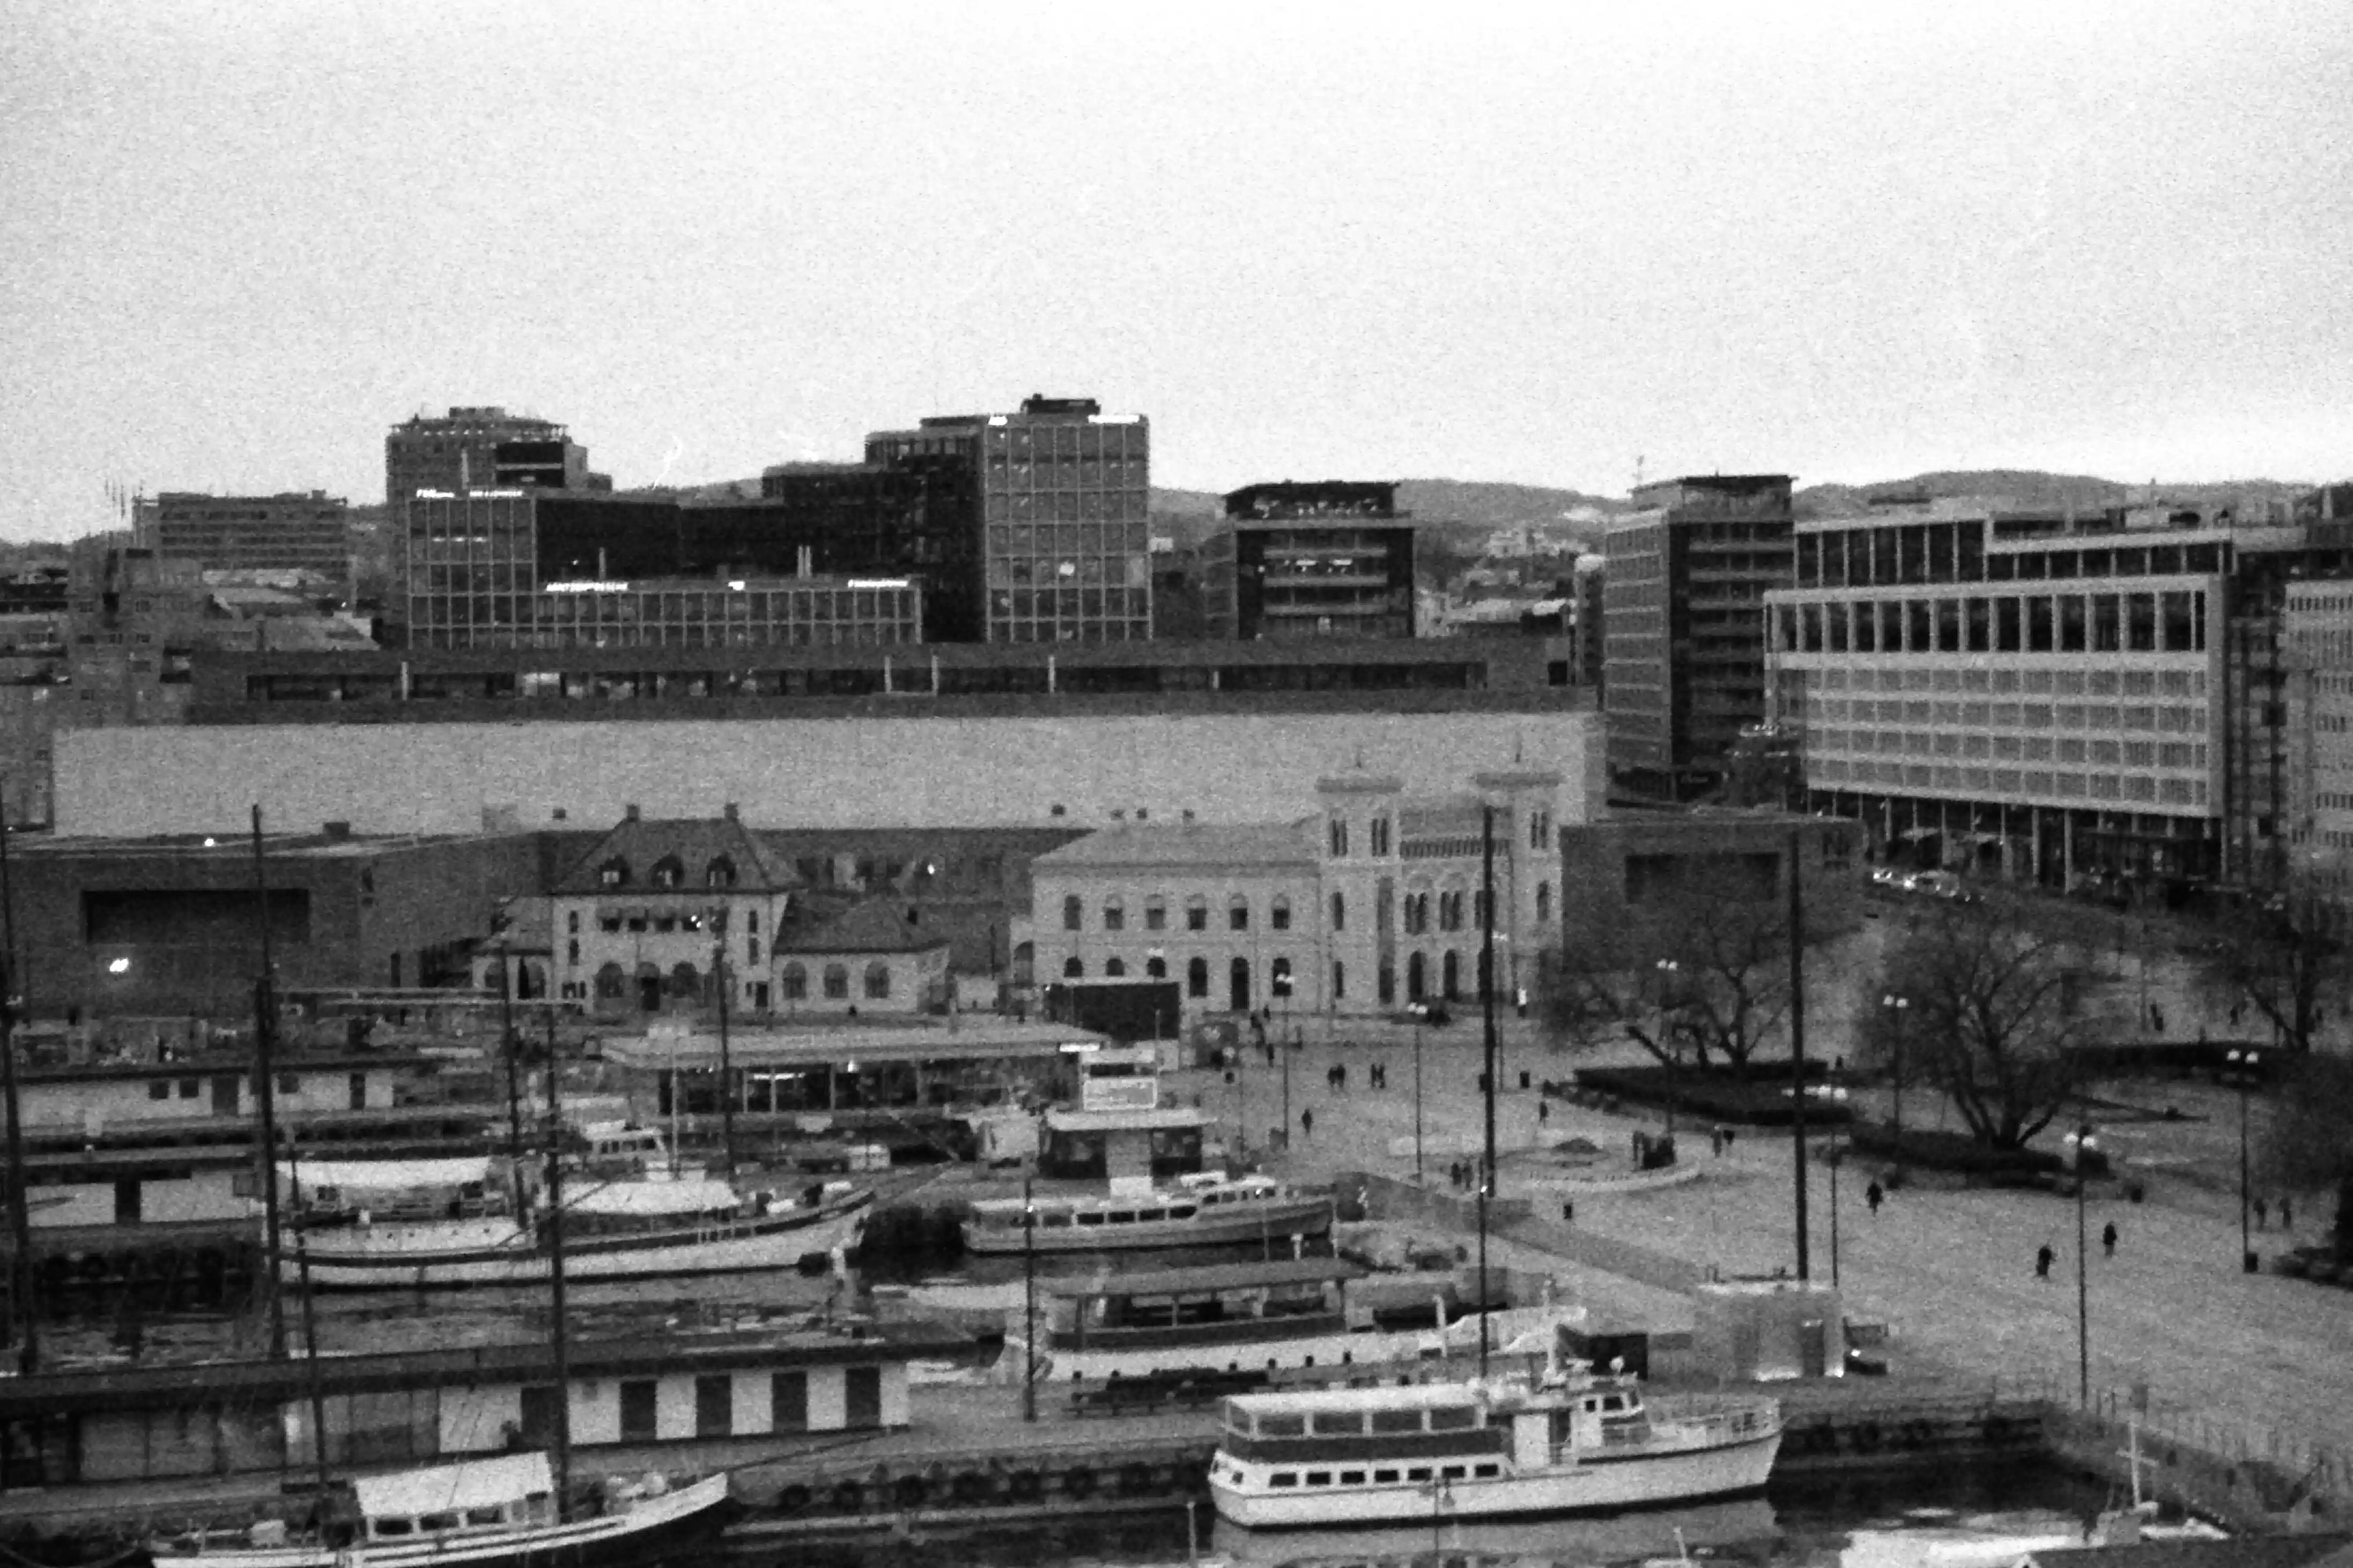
(1434, 1013)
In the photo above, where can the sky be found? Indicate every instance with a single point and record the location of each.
(1848, 242)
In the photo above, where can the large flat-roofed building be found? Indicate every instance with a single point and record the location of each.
(1333, 558)
(290, 532)
(527, 569)
(2028, 694)
(2318, 633)
(1058, 498)
(945, 737)
(169, 926)
(1683, 626)
(482, 448)
(913, 518)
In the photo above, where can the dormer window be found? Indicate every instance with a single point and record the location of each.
(719, 873)
(669, 872)
(613, 873)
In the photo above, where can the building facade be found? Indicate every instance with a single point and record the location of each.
(1329, 559)
(481, 448)
(2318, 632)
(2029, 695)
(1629, 880)
(513, 568)
(1373, 901)
(1060, 492)
(917, 517)
(1684, 625)
(292, 532)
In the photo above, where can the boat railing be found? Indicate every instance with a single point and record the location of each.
(1715, 1419)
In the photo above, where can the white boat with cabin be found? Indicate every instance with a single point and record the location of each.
(479, 1513)
(1201, 1210)
(1482, 1448)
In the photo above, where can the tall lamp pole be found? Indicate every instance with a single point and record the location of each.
(1417, 1098)
(1798, 1040)
(2083, 1271)
(2242, 1068)
(1898, 1005)
(1028, 1304)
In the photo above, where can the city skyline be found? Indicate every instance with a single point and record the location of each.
(1840, 245)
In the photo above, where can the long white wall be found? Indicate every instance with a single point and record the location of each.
(795, 773)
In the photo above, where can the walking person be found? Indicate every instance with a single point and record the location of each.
(1874, 1196)
(2263, 1213)
(2287, 1213)
(1307, 1123)
(2044, 1256)
(2109, 1239)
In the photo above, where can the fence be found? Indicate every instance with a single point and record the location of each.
(2215, 1464)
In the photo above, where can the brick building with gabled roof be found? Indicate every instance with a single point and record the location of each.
(874, 956)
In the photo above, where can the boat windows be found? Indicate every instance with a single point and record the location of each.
(1485, 1472)
(1352, 1478)
(1338, 1424)
(1408, 1420)
(1452, 1418)
(1284, 1478)
(1089, 1218)
(1056, 1221)
(382, 1528)
(1418, 1473)
(1184, 1211)
(1453, 1473)
(486, 1516)
(1148, 1215)
(1384, 1478)
(1319, 1477)
(1123, 1217)
(437, 1523)
(1270, 1425)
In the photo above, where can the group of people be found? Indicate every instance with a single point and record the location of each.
(2045, 1255)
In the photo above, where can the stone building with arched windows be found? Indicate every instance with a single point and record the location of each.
(1372, 903)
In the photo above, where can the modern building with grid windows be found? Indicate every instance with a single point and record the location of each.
(2319, 636)
(1063, 489)
(291, 532)
(1683, 626)
(484, 448)
(522, 569)
(1332, 558)
(2029, 695)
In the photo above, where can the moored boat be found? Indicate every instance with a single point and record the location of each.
(630, 1229)
(480, 1513)
(1199, 1211)
(1482, 1448)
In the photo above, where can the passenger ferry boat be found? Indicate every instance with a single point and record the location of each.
(1203, 1210)
(1491, 1448)
(1284, 1314)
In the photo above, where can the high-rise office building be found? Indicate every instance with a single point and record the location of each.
(912, 517)
(1683, 626)
(1333, 558)
(291, 532)
(1058, 499)
(482, 449)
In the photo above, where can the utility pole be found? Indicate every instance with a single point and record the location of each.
(1487, 1019)
(1798, 1040)
(21, 1274)
(265, 1089)
(719, 978)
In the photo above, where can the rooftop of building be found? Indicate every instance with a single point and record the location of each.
(1310, 500)
(695, 845)
(1185, 843)
(235, 849)
(871, 925)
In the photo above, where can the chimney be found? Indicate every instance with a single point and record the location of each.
(629, 812)
(731, 813)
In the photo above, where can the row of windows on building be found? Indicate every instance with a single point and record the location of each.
(1197, 912)
(793, 981)
(669, 871)
(2173, 683)
(2009, 783)
(1433, 974)
(2178, 719)
(2010, 748)
(2169, 622)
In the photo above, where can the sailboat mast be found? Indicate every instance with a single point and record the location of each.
(265, 1091)
(560, 1336)
(719, 978)
(1797, 1043)
(309, 1338)
(1487, 1077)
(20, 1220)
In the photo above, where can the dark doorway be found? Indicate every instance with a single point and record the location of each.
(1239, 988)
(127, 1205)
(862, 1395)
(225, 1093)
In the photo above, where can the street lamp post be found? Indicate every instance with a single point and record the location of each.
(2242, 1068)
(1028, 1304)
(2083, 1144)
(1668, 968)
(1898, 1005)
(1837, 1157)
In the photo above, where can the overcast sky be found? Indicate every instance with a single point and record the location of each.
(239, 240)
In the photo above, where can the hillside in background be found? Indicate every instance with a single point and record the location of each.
(2031, 489)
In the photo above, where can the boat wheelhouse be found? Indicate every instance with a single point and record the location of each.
(1478, 1449)
(1199, 1211)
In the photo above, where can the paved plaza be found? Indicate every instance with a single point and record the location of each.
(1950, 1271)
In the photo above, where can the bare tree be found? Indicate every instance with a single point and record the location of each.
(1703, 981)
(1994, 1013)
(2310, 1140)
(2287, 962)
